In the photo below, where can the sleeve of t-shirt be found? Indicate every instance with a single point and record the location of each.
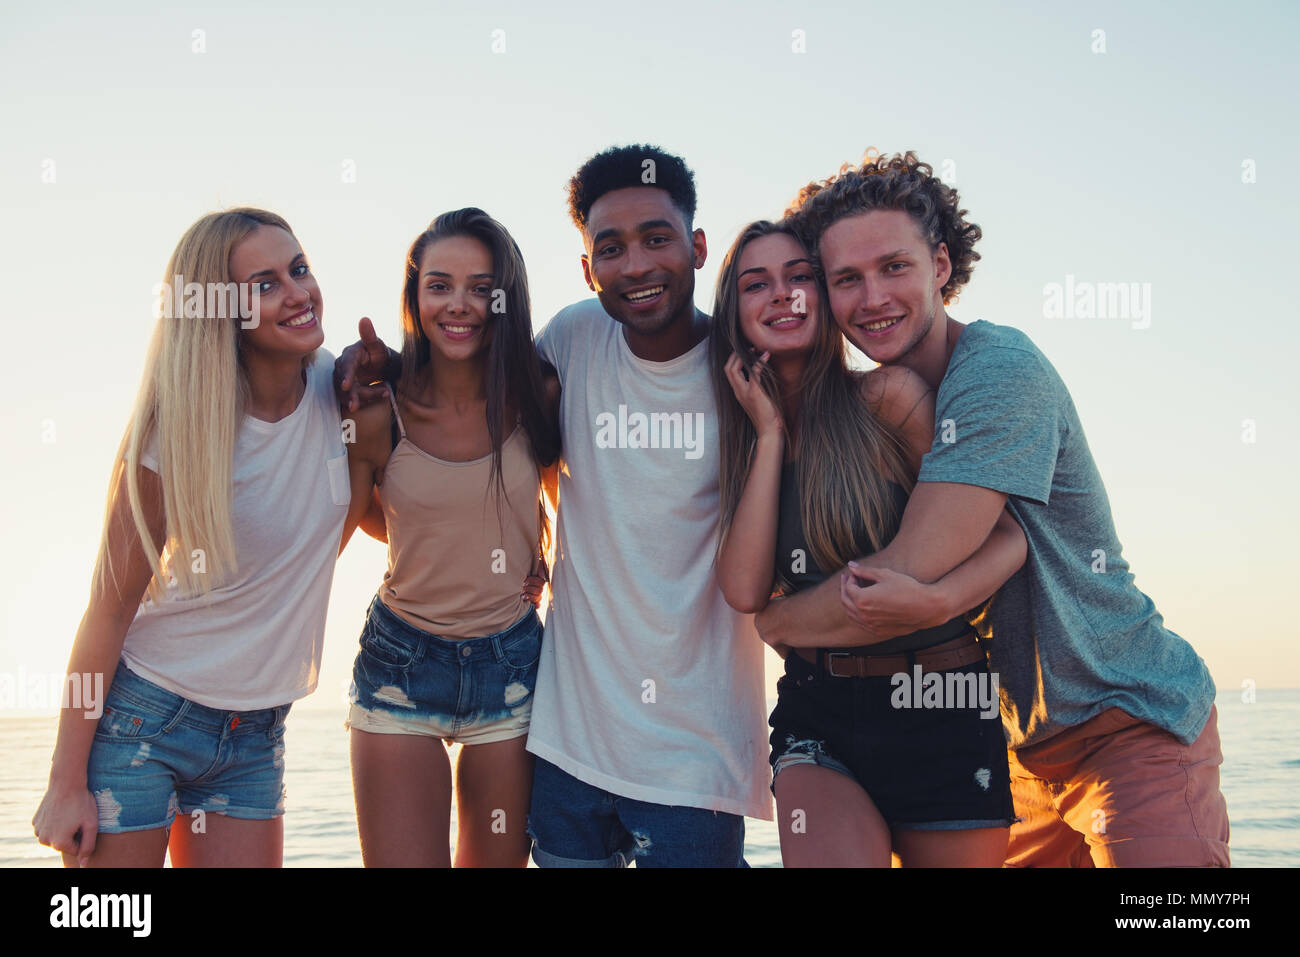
(149, 453)
(554, 340)
(322, 373)
(998, 425)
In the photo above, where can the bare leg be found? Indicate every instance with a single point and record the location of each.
(402, 786)
(227, 842)
(132, 849)
(976, 847)
(828, 820)
(493, 785)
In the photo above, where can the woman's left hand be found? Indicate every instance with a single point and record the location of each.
(888, 603)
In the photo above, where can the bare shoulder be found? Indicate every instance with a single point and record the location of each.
(892, 393)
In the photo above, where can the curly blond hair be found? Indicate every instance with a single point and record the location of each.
(898, 181)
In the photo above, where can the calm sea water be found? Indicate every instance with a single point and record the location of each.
(1260, 779)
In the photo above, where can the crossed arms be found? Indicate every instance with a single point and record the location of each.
(929, 573)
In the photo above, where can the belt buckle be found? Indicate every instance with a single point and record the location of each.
(829, 657)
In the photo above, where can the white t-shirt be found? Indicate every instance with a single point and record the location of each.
(650, 686)
(256, 640)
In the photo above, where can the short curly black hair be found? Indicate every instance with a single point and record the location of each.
(622, 166)
(892, 182)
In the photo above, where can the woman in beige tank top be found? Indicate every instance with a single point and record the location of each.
(450, 472)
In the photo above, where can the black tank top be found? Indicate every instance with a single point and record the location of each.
(795, 563)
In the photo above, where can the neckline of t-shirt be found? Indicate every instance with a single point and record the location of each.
(667, 366)
(963, 345)
(261, 425)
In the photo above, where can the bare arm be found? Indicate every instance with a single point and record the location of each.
(68, 819)
(367, 458)
(889, 603)
(746, 565)
(373, 522)
(746, 561)
(943, 525)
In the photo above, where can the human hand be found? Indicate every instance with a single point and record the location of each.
(746, 384)
(888, 603)
(360, 364)
(534, 586)
(68, 821)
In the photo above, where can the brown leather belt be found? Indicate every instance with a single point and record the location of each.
(962, 650)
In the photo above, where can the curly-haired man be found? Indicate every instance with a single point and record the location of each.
(1114, 746)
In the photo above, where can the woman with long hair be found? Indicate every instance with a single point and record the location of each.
(449, 650)
(816, 465)
(226, 505)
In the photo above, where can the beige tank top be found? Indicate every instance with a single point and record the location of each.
(455, 567)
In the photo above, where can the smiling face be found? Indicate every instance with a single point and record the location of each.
(641, 260)
(288, 300)
(456, 283)
(777, 295)
(884, 282)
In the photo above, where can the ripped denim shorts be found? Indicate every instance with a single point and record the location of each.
(924, 768)
(470, 690)
(157, 754)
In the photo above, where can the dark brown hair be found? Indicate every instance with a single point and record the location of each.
(513, 373)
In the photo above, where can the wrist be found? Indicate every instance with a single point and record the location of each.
(67, 779)
(941, 600)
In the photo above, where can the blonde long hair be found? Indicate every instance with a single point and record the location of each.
(846, 456)
(192, 399)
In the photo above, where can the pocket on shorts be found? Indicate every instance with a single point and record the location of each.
(130, 721)
(521, 653)
(386, 649)
(275, 733)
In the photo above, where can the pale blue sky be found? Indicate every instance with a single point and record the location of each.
(1122, 166)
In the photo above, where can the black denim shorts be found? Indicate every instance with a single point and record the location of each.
(929, 751)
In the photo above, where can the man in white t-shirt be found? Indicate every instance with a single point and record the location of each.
(648, 718)
(649, 712)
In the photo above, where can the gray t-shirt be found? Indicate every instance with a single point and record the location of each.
(1072, 634)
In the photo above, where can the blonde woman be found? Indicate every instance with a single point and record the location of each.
(226, 505)
(816, 466)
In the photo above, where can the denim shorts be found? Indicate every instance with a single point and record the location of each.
(924, 768)
(575, 824)
(470, 690)
(157, 754)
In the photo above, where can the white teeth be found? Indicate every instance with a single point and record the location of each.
(785, 321)
(306, 317)
(644, 294)
(458, 329)
(877, 326)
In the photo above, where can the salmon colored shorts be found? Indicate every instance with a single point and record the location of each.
(1116, 791)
